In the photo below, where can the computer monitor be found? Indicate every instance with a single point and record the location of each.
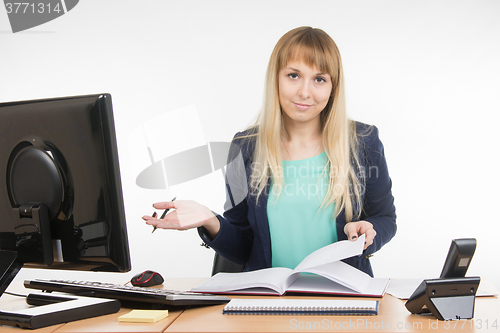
(61, 202)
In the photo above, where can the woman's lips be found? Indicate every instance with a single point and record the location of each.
(302, 106)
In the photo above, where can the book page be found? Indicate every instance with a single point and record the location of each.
(333, 252)
(321, 285)
(311, 283)
(275, 279)
(343, 274)
(350, 277)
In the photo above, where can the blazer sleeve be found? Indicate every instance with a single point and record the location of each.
(378, 203)
(235, 238)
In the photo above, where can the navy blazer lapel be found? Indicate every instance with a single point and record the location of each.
(263, 223)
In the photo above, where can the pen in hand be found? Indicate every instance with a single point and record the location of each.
(162, 215)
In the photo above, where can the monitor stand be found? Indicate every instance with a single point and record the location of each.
(48, 309)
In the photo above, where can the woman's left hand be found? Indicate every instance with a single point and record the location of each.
(355, 229)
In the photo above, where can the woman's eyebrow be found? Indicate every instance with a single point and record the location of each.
(296, 70)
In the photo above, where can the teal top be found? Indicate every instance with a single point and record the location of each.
(297, 225)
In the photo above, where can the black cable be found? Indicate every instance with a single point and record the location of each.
(14, 294)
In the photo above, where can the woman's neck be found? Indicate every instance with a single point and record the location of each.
(301, 140)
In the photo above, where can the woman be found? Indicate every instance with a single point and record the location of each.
(311, 176)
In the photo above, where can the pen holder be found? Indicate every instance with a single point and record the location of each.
(446, 299)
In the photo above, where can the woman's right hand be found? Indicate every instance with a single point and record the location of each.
(185, 214)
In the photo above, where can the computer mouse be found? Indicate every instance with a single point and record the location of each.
(147, 279)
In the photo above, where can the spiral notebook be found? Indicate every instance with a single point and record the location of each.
(282, 306)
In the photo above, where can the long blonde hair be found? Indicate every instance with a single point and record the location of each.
(316, 49)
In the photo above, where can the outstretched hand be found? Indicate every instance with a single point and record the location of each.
(184, 215)
(355, 229)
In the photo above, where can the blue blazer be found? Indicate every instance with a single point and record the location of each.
(244, 236)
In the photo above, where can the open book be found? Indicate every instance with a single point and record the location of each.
(329, 276)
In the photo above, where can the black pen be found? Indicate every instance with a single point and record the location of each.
(162, 215)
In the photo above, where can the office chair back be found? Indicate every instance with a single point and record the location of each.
(221, 264)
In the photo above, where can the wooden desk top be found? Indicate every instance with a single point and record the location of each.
(109, 323)
(393, 317)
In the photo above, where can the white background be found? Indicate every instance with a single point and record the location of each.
(425, 72)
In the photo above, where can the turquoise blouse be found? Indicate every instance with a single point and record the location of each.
(297, 225)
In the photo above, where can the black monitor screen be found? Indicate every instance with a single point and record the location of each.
(61, 203)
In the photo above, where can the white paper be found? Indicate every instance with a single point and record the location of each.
(404, 288)
(333, 252)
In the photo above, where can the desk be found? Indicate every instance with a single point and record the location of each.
(392, 317)
(108, 323)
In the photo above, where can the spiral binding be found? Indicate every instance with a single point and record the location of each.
(300, 307)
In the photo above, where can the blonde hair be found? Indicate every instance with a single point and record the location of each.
(316, 49)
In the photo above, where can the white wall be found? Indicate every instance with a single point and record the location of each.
(425, 72)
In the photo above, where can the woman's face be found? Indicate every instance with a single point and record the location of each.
(303, 92)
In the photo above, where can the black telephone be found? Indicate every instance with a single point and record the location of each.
(451, 296)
